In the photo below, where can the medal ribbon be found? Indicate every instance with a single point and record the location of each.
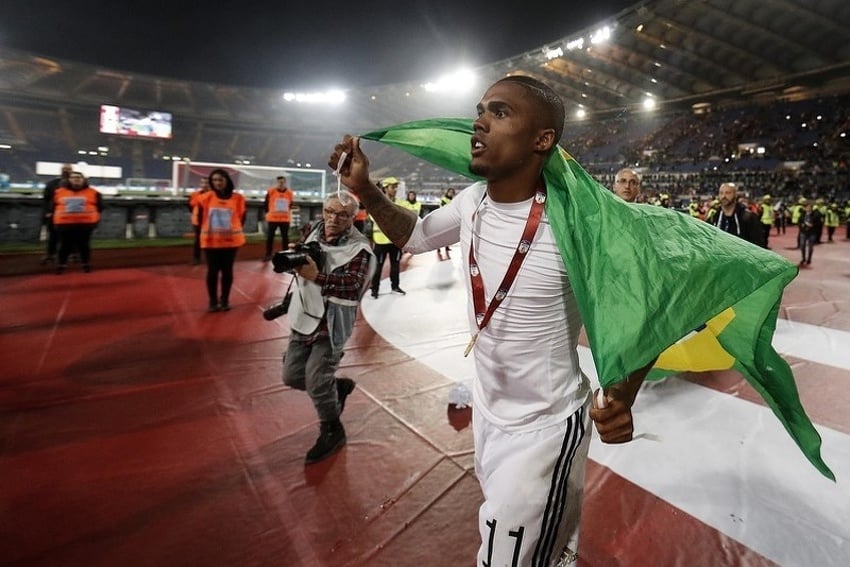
(483, 312)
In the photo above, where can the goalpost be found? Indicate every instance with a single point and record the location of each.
(251, 180)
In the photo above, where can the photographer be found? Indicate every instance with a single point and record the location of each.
(321, 316)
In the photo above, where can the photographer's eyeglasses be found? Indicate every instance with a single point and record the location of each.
(341, 215)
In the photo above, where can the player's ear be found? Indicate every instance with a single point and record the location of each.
(545, 140)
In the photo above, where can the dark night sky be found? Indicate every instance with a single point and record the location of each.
(289, 44)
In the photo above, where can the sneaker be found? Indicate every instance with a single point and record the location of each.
(344, 386)
(568, 557)
(374, 294)
(213, 308)
(399, 291)
(331, 439)
(224, 306)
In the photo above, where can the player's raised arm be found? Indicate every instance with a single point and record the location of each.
(396, 222)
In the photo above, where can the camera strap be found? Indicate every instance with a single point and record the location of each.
(289, 287)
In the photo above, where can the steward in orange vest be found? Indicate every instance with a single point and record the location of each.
(221, 213)
(76, 212)
(278, 214)
(222, 217)
(360, 218)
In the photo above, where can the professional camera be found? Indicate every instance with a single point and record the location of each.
(279, 309)
(284, 261)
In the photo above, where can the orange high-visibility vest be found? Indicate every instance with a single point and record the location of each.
(194, 201)
(75, 207)
(361, 214)
(221, 226)
(279, 205)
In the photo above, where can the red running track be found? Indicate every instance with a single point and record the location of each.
(137, 429)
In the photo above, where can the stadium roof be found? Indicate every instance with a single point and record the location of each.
(678, 52)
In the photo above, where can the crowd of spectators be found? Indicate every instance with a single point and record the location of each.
(785, 149)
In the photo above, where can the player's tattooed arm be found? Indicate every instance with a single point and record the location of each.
(396, 222)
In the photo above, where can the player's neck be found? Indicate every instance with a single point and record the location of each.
(513, 189)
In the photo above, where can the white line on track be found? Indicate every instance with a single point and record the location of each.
(726, 461)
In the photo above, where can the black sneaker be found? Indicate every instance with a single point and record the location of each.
(213, 308)
(374, 294)
(331, 439)
(224, 305)
(344, 386)
(399, 291)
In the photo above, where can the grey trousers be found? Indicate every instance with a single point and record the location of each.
(311, 368)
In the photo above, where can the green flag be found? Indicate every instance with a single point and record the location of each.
(649, 280)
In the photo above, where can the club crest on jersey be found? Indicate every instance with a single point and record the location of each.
(473, 270)
(500, 295)
(479, 317)
(524, 246)
(540, 197)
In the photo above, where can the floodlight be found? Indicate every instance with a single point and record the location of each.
(334, 96)
(554, 53)
(601, 35)
(575, 44)
(461, 80)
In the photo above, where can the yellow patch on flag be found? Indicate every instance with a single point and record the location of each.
(700, 351)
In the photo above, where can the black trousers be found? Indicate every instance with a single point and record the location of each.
(807, 245)
(220, 262)
(284, 236)
(382, 251)
(52, 238)
(74, 237)
(196, 246)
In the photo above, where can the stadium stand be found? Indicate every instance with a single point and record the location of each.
(750, 92)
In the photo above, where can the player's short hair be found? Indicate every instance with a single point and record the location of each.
(547, 99)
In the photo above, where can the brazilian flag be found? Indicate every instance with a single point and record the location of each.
(649, 280)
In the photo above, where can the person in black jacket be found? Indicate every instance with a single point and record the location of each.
(734, 217)
(810, 220)
(49, 190)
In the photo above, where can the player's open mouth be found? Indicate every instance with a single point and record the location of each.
(478, 146)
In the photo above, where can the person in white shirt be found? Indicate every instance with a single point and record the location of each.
(530, 398)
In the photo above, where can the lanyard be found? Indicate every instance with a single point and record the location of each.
(483, 312)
